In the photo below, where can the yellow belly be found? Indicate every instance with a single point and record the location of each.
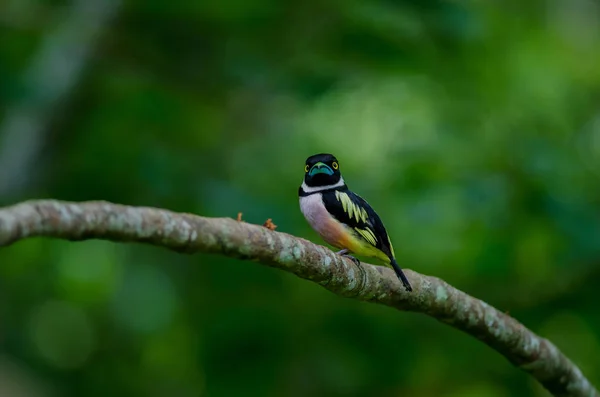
(346, 239)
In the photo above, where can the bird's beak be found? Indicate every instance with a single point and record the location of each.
(320, 168)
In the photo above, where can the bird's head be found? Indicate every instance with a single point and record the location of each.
(321, 170)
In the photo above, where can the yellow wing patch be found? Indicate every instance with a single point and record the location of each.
(368, 235)
(391, 247)
(360, 214)
(350, 208)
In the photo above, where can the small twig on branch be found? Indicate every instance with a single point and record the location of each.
(190, 233)
(269, 224)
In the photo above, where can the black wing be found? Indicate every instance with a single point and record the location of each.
(352, 210)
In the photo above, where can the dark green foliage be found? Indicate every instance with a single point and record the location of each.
(473, 130)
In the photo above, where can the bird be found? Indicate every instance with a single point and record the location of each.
(341, 217)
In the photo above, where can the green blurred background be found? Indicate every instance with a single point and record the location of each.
(472, 127)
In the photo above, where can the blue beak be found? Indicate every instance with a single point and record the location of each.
(320, 168)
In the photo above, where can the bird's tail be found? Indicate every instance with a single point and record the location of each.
(400, 275)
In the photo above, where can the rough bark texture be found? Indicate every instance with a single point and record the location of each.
(190, 233)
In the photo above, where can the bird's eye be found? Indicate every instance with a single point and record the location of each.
(335, 165)
(306, 168)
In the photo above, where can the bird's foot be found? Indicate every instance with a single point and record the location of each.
(346, 254)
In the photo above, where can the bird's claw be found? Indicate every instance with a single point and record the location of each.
(346, 254)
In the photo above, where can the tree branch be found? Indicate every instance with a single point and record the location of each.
(190, 233)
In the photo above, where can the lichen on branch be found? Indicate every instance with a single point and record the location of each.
(231, 237)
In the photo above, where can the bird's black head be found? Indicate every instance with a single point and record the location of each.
(321, 170)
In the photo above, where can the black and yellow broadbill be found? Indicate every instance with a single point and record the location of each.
(341, 217)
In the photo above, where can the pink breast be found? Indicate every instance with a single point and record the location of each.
(332, 231)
